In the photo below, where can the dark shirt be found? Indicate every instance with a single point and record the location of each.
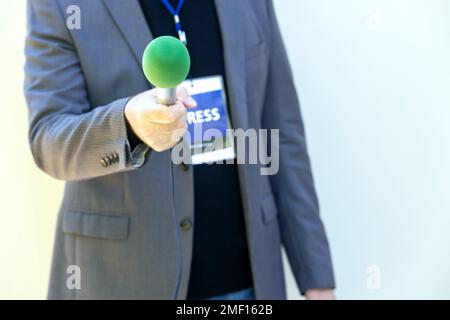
(220, 255)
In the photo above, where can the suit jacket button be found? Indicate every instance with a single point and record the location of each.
(111, 159)
(186, 224)
(104, 163)
(184, 166)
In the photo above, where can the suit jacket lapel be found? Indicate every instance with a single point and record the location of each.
(233, 36)
(132, 24)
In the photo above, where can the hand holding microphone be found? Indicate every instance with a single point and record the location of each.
(158, 116)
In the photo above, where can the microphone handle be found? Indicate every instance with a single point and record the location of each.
(166, 96)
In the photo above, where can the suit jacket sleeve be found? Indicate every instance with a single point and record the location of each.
(302, 231)
(69, 138)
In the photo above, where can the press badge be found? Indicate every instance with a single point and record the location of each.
(209, 134)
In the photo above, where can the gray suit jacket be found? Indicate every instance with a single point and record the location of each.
(121, 221)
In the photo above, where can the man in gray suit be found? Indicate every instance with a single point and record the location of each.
(126, 227)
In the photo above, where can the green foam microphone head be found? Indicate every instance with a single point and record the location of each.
(166, 62)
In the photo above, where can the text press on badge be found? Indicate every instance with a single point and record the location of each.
(209, 128)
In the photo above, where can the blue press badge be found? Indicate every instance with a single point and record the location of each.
(210, 113)
(208, 124)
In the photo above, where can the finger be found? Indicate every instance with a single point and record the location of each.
(184, 96)
(166, 141)
(158, 129)
(164, 114)
(182, 93)
(178, 112)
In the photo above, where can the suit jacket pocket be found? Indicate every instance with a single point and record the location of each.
(269, 209)
(103, 226)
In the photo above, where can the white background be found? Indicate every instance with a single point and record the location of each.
(374, 81)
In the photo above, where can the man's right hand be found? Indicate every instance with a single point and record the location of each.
(160, 127)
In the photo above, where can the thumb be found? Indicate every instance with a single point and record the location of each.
(184, 96)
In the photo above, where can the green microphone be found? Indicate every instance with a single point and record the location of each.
(166, 63)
